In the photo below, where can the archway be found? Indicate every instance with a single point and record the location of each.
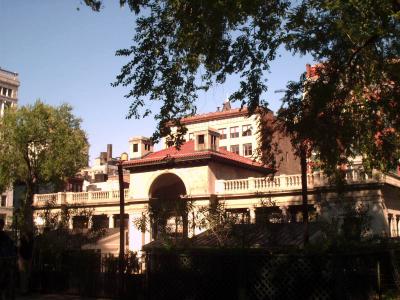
(168, 207)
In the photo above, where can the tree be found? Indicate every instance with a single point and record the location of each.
(40, 144)
(183, 47)
(350, 107)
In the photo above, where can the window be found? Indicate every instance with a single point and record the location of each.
(190, 136)
(246, 130)
(80, 222)
(238, 216)
(222, 133)
(247, 149)
(213, 140)
(235, 149)
(234, 132)
(147, 147)
(117, 222)
(3, 200)
(223, 147)
(9, 93)
(201, 139)
(135, 147)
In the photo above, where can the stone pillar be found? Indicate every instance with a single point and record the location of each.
(397, 225)
(285, 212)
(90, 222)
(1, 108)
(390, 222)
(70, 223)
(252, 211)
(110, 221)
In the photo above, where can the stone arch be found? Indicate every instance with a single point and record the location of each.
(168, 206)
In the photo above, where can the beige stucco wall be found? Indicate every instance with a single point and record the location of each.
(195, 179)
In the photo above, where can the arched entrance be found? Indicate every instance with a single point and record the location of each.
(168, 207)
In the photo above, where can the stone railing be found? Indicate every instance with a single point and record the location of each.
(285, 182)
(71, 198)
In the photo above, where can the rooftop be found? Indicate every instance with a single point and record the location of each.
(187, 152)
(218, 115)
(8, 74)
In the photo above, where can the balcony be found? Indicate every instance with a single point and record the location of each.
(79, 198)
(288, 182)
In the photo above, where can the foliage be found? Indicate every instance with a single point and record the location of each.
(349, 230)
(215, 219)
(157, 214)
(55, 237)
(350, 108)
(40, 144)
(131, 263)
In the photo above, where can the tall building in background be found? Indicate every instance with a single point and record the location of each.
(9, 84)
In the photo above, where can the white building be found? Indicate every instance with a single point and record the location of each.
(204, 172)
(9, 84)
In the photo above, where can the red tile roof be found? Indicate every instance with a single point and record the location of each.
(187, 153)
(236, 112)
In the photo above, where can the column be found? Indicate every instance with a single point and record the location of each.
(390, 218)
(1, 108)
(70, 223)
(285, 213)
(90, 222)
(110, 221)
(252, 211)
(135, 234)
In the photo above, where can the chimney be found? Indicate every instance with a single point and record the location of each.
(103, 158)
(227, 105)
(217, 108)
(109, 152)
(139, 147)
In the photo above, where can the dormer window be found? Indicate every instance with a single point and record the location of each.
(201, 139)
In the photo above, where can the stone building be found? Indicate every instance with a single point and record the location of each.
(203, 172)
(9, 84)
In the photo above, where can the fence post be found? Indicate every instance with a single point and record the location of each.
(378, 278)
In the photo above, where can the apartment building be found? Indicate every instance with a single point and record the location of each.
(9, 84)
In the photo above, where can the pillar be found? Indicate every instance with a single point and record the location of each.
(252, 211)
(70, 223)
(90, 222)
(110, 221)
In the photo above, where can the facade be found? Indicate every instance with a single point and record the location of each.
(204, 172)
(9, 84)
(240, 134)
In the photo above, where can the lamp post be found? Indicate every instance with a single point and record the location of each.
(124, 157)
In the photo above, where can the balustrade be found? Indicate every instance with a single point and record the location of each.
(285, 182)
(78, 198)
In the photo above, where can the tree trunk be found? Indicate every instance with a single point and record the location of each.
(303, 162)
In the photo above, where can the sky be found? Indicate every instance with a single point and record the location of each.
(65, 53)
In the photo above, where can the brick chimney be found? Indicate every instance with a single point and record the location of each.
(109, 152)
(226, 105)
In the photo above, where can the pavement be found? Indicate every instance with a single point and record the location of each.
(55, 297)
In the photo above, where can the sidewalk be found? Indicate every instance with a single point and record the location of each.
(56, 297)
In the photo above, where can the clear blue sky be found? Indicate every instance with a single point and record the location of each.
(65, 55)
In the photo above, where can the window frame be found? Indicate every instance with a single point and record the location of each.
(234, 132)
(245, 149)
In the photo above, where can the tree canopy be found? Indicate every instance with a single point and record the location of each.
(40, 144)
(350, 107)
